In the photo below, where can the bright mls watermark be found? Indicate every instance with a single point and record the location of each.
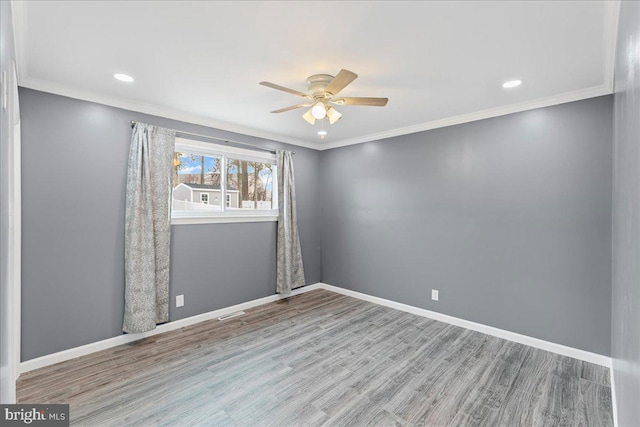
(34, 415)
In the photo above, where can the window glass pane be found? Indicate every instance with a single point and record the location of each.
(249, 184)
(196, 182)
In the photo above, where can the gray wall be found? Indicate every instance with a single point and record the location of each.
(510, 218)
(74, 171)
(625, 322)
(7, 59)
(506, 217)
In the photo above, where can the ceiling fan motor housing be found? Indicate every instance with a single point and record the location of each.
(317, 84)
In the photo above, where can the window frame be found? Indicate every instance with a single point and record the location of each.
(206, 202)
(226, 214)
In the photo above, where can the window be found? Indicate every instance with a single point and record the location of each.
(206, 173)
(249, 184)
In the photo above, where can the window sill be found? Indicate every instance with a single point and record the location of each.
(222, 219)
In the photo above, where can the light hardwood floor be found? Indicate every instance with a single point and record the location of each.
(321, 358)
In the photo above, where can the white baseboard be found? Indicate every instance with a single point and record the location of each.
(614, 403)
(564, 350)
(72, 353)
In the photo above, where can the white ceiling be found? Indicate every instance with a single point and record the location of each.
(439, 63)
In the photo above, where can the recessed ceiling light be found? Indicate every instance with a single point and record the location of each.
(123, 78)
(512, 83)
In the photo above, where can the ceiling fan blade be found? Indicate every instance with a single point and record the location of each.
(293, 107)
(285, 89)
(308, 116)
(372, 102)
(333, 115)
(340, 81)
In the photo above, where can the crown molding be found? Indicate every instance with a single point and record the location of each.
(44, 86)
(577, 95)
(20, 26)
(156, 110)
(610, 28)
(611, 20)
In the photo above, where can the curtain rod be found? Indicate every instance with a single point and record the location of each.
(226, 141)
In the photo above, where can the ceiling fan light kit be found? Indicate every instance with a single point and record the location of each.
(308, 117)
(319, 111)
(333, 115)
(322, 91)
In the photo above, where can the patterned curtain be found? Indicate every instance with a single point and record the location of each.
(148, 228)
(290, 272)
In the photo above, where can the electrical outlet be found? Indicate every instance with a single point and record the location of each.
(435, 294)
(179, 300)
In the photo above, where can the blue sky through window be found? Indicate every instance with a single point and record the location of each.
(192, 165)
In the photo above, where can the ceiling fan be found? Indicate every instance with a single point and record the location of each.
(323, 91)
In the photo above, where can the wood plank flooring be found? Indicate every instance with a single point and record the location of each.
(324, 359)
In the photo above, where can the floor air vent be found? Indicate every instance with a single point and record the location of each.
(230, 315)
